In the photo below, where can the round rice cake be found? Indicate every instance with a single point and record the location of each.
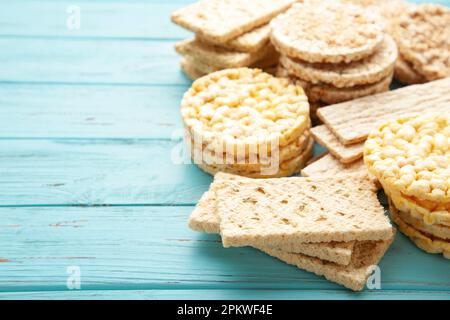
(285, 169)
(241, 108)
(286, 153)
(431, 213)
(423, 38)
(331, 95)
(424, 241)
(327, 31)
(405, 73)
(438, 230)
(340, 75)
(411, 155)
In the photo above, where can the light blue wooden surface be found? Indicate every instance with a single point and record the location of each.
(86, 179)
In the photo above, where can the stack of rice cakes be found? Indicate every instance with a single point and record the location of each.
(336, 51)
(410, 157)
(228, 34)
(247, 122)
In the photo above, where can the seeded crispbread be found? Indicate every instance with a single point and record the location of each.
(405, 73)
(366, 255)
(345, 154)
(223, 20)
(191, 72)
(343, 75)
(204, 218)
(327, 31)
(424, 241)
(423, 37)
(352, 121)
(220, 57)
(290, 210)
(330, 166)
(273, 170)
(251, 41)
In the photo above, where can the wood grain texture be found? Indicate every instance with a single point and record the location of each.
(143, 248)
(86, 119)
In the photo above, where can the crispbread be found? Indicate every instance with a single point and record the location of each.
(369, 70)
(222, 20)
(317, 209)
(424, 241)
(405, 73)
(241, 109)
(284, 169)
(365, 256)
(204, 218)
(411, 155)
(251, 41)
(330, 166)
(423, 37)
(327, 31)
(328, 94)
(220, 57)
(191, 72)
(352, 122)
(202, 66)
(345, 154)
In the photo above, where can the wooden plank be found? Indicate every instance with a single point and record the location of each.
(224, 295)
(151, 248)
(117, 19)
(97, 172)
(61, 111)
(90, 61)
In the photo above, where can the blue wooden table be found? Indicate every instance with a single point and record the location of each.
(88, 192)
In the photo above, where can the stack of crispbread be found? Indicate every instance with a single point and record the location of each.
(247, 122)
(422, 34)
(331, 226)
(410, 156)
(337, 51)
(347, 125)
(228, 34)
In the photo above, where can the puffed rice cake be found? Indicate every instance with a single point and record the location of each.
(327, 31)
(423, 38)
(242, 109)
(405, 73)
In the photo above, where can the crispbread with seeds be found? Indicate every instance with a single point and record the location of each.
(330, 166)
(411, 155)
(423, 37)
(424, 241)
(220, 21)
(191, 72)
(251, 41)
(328, 94)
(369, 70)
(220, 57)
(278, 212)
(327, 31)
(345, 154)
(366, 255)
(352, 121)
(204, 218)
(405, 73)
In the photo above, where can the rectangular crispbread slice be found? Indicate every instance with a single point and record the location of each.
(366, 255)
(351, 122)
(279, 212)
(251, 41)
(345, 154)
(220, 21)
(220, 57)
(205, 68)
(204, 218)
(330, 166)
(191, 72)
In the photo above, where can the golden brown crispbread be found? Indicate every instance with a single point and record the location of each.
(330, 166)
